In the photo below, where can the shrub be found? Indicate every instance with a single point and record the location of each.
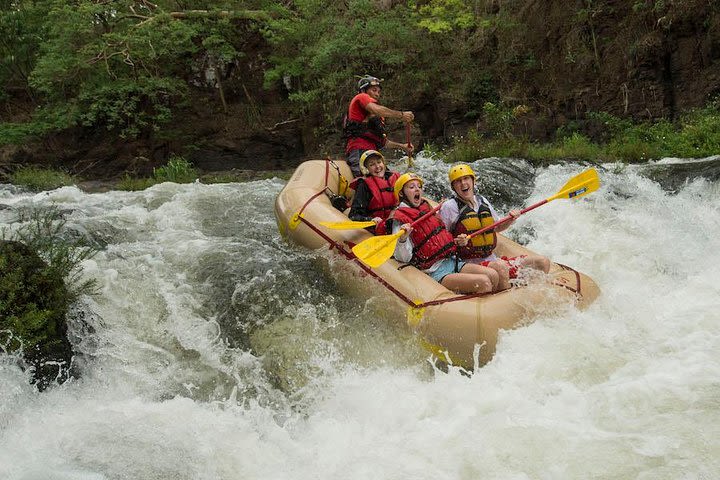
(39, 279)
(475, 146)
(39, 179)
(177, 170)
(133, 184)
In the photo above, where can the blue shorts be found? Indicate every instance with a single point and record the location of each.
(445, 267)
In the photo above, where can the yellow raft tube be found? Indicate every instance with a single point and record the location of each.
(459, 329)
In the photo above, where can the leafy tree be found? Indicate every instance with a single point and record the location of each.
(22, 28)
(446, 15)
(123, 65)
(320, 48)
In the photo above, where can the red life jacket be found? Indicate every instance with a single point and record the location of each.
(383, 197)
(431, 240)
(468, 221)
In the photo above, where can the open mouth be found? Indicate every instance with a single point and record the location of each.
(415, 197)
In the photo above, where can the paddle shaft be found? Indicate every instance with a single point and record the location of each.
(508, 218)
(407, 140)
(428, 214)
(577, 186)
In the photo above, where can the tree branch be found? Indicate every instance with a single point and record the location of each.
(188, 14)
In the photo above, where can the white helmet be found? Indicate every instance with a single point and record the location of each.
(368, 155)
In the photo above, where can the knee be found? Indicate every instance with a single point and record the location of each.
(502, 269)
(493, 277)
(483, 284)
(545, 264)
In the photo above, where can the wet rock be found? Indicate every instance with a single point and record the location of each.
(33, 305)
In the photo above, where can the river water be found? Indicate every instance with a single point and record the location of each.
(213, 350)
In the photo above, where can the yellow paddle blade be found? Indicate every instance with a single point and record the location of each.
(581, 184)
(375, 251)
(349, 225)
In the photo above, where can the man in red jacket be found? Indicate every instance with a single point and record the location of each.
(365, 123)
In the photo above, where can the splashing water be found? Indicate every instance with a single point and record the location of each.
(216, 351)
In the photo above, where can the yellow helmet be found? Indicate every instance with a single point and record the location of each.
(402, 180)
(461, 170)
(366, 156)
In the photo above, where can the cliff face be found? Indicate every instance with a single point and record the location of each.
(626, 58)
(643, 59)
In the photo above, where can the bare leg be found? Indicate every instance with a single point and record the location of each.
(538, 262)
(467, 283)
(472, 279)
(503, 271)
(491, 273)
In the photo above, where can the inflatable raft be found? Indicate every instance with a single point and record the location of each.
(459, 329)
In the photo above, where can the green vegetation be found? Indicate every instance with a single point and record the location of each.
(40, 179)
(177, 170)
(123, 66)
(44, 231)
(696, 134)
(244, 176)
(323, 46)
(128, 67)
(40, 277)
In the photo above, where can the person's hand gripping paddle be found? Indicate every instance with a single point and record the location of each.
(375, 251)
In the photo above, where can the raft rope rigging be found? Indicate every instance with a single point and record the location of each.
(347, 253)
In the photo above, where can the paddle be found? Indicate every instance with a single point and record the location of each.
(374, 251)
(578, 186)
(348, 225)
(407, 140)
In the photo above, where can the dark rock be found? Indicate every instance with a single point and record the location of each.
(33, 306)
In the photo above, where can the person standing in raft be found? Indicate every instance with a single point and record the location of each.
(364, 126)
(374, 195)
(468, 212)
(429, 245)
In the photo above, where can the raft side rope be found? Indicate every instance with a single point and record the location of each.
(297, 217)
(343, 184)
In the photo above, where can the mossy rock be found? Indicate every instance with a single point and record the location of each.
(33, 306)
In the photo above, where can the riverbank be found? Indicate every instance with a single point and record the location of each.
(46, 179)
(263, 95)
(695, 135)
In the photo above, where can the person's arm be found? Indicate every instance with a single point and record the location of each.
(382, 111)
(448, 214)
(513, 213)
(359, 209)
(404, 247)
